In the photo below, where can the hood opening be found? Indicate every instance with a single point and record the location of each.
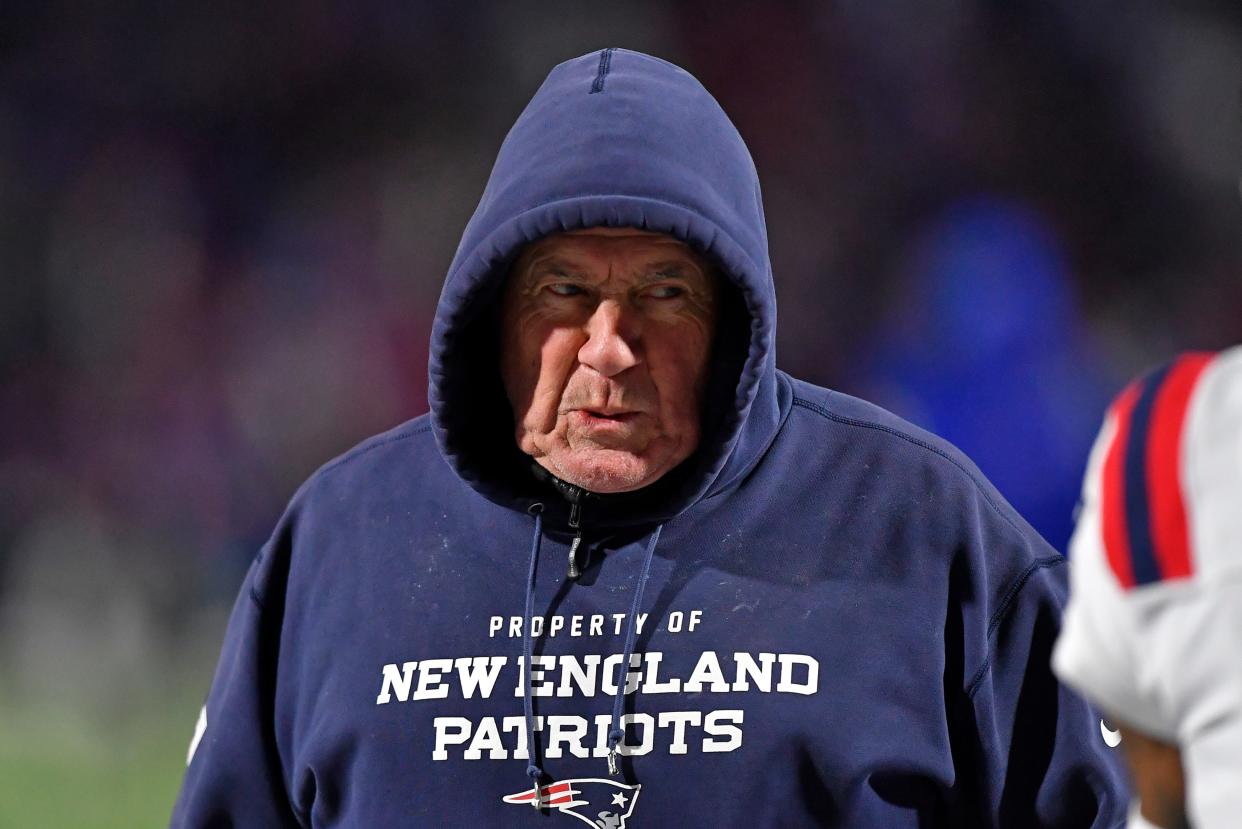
(487, 452)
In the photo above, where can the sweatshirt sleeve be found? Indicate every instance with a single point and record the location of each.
(1044, 758)
(234, 775)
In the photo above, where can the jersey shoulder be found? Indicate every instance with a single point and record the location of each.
(1165, 467)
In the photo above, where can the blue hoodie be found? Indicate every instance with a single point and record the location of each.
(828, 616)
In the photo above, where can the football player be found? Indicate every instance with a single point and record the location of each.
(1153, 631)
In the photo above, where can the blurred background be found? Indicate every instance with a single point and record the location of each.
(223, 229)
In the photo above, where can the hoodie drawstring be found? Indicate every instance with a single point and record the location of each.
(616, 733)
(532, 769)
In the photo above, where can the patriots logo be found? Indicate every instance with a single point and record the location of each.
(596, 802)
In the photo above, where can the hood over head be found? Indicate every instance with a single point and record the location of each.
(612, 139)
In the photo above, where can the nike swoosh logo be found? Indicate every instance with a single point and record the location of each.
(1112, 737)
(199, 728)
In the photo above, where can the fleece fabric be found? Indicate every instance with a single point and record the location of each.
(843, 623)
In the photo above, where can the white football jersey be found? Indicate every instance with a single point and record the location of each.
(1153, 630)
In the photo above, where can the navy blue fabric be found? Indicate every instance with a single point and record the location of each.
(1138, 519)
(843, 623)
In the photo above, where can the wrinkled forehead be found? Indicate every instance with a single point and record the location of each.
(598, 247)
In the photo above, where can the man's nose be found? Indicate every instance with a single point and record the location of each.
(612, 339)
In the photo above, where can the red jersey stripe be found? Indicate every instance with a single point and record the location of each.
(1113, 490)
(1167, 508)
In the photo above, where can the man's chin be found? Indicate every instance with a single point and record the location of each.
(605, 471)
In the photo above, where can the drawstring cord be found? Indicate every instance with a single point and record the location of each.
(616, 733)
(532, 769)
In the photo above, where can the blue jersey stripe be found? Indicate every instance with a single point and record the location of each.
(1138, 516)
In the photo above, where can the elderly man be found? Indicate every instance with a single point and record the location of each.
(628, 573)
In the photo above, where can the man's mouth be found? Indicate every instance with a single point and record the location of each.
(607, 415)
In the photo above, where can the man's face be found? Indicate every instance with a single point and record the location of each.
(605, 339)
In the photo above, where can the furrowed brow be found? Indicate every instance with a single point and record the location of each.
(671, 270)
(553, 267)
